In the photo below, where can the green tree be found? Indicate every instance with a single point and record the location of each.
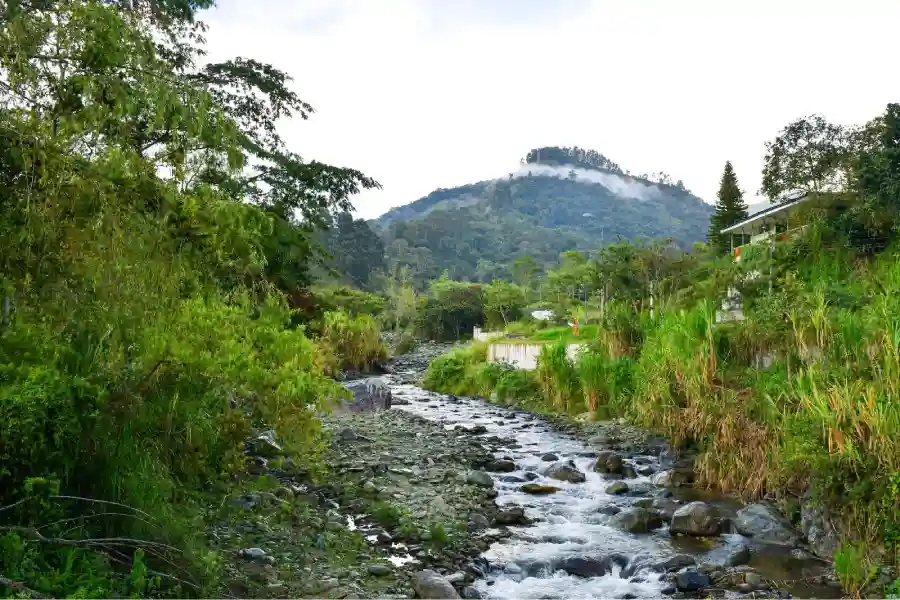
(810, 155)
(524, 270)
(450, 309)
(730, 209)
(503, 303)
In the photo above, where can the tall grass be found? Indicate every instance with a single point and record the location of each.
(823, 415)
(353, 342)
(455, 372)
(558, 378)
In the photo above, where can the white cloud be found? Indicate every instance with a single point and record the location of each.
(620, 186)
(422, 94)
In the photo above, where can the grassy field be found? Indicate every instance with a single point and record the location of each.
(564, 333)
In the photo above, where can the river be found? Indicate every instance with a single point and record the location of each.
(576, 522)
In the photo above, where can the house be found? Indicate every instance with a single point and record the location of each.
(759, 231)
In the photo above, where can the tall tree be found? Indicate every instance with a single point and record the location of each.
(808, 156)
(730, 208)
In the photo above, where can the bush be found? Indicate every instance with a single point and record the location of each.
(352, 342)
(456, 371)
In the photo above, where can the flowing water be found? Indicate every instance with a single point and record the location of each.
(571, 523)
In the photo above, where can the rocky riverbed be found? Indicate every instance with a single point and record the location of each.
(433, 496)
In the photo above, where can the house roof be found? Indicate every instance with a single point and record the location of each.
(783, 205)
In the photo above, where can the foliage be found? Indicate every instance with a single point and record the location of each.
(454, 372)
(558, 377)
(503, 303)
(150, 217)
(403, 300)
(355, 252)
(350, 300)
(730, 209)
(353, 342)
(854, 570)
(449, 310)
(809, 155)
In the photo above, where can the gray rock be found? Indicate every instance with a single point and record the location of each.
(691, 580)
(565, 471)
(549, 457)
(820, 533)
(513, 479)
(695, 518)
(430, 584)
(456, 578)
(608, 462)
(368, 395)
(478, 522)
(379, 570)
(479, 478)
(500, 466)
(679, 561)
(752, 579)
(512, 516)
(471, 593)
(673, 478)
(617, 488)
(610, 509)
(257, 555)
(662, 478)
(266, 445)
(587, 567)
(637, 520)
(730, 555)
(763, 523)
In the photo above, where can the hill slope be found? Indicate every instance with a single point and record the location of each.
(559, 199)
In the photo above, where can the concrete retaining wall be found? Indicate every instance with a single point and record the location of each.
(479, 335)
(524, 356)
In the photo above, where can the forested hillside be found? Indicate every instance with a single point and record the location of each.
(559, 199)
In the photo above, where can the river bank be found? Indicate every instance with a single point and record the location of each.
(428, 491)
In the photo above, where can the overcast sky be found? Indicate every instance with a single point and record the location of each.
(421, 94)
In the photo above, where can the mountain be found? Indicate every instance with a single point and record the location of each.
(559, 199)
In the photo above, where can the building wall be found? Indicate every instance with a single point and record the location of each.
(524, 356)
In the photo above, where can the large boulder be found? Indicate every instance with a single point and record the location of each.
(587, 567)
(637, 520)
(695, 518)
(479, 478)
(368, 395)
(565, 471)
(430, 584)
(763, 523)
(608, 462)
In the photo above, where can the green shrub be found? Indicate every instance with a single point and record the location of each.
(558, 378)
(353, 342)
(456, 371)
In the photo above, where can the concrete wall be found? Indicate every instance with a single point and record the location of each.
(524, 356)
(479, 335)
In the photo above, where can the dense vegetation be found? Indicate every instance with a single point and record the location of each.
(798, 401)
(475, 232)
(155, 231)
